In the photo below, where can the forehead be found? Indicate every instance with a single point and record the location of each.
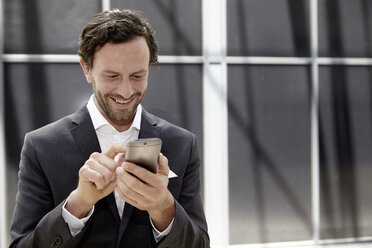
(130, 55)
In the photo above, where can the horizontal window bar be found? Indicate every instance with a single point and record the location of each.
(70, 58)
(166, 59)
(40, 58)
(268, 60)
(329, 243)
(344, 61)
(298, 61)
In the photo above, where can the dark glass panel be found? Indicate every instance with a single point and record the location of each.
(46, 26)
(345, 28)
(268, 28)
(175, 93)
(345, 151)
(177, 23)
(269, 154)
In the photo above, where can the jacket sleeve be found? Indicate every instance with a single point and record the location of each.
(189, 228)
(37, 222)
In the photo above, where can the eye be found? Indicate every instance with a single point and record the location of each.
(112, 76)
(138, 77)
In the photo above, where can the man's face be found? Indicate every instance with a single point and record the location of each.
(119, 77)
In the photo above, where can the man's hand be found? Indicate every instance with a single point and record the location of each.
(147, 191)
(97, 179)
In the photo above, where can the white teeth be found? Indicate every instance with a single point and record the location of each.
(121, 102)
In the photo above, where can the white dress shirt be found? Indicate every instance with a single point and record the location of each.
(108, 135)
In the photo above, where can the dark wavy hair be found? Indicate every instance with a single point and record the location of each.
(115, 26)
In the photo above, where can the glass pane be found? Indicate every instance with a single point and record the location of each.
(346, 158)
(269, 154)
(177, 23)
(345, 28)
(46, 26)
(268, 28)
(175, 94)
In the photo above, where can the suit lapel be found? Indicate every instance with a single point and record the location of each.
(86, 138)
(84, 133)
(148, 130)
(148, 126)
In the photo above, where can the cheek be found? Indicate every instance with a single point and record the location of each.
(104, 88)
(142, 87)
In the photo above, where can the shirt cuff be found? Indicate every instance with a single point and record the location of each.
(75, 225)
(159, 235)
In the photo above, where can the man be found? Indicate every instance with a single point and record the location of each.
(75, 188)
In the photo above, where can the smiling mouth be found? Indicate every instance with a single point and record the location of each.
(121, 101)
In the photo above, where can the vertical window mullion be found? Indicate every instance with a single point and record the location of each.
(215, 148)
(3, 182)
(106, 5)
(315, 187)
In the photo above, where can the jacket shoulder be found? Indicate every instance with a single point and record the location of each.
(167, 129)
(59, 127)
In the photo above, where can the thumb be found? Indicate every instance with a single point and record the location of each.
(163, 168)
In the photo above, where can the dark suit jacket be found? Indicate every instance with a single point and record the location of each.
(50, 160)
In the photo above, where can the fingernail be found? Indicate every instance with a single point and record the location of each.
(119, 170)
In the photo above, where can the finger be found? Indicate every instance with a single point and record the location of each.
(107, 162)
(147, 190)
(148, 184)
(128, 190)
(109, 188)
(102, 175)
(130, 180)
(89, 175)
(139, 172)
(163, 167)
(121, 158)
(128, 200)
(114, 149)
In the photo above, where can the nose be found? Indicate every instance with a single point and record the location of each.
(125, 88)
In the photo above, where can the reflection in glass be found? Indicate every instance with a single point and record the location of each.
(177, 23)
(269, 154)
(345, 28)
(345, 151)
(175, 94)
(44, 26)
(268, 28)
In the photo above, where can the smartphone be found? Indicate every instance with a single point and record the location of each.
(144, 152)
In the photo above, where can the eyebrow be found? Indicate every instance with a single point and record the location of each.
(136, 72)
(140, 71)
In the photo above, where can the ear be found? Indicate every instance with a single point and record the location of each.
(87, 71)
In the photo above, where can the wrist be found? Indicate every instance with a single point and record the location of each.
(76, 206)
(163, 214)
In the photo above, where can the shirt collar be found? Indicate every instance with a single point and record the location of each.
(99, 120)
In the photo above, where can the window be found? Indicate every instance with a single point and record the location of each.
(278, 93)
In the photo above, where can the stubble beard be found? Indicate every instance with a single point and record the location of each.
(118, 115)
